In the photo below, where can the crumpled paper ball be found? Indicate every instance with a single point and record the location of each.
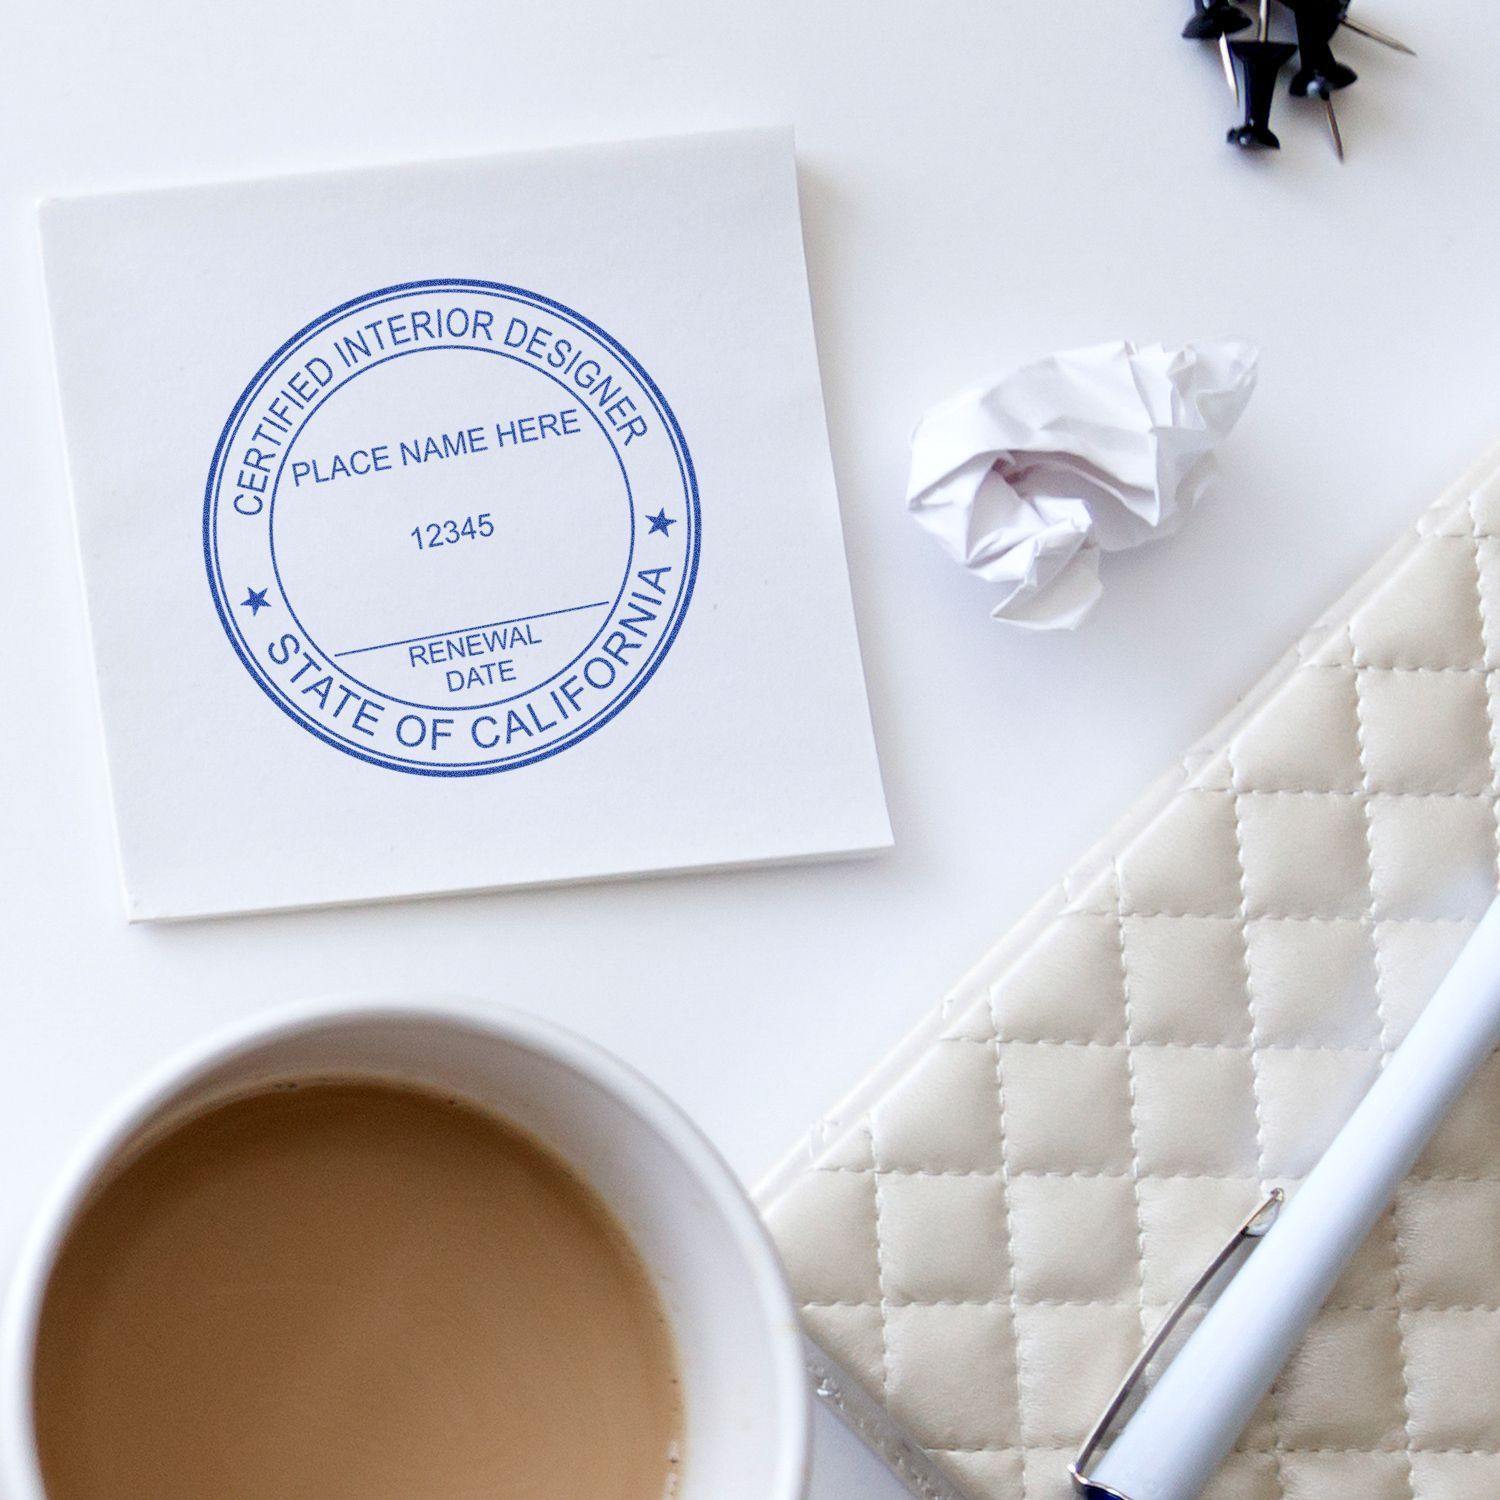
(1027, 479)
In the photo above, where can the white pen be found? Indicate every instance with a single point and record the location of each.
(1189, 1420)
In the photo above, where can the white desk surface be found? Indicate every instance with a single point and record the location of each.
(983, 181)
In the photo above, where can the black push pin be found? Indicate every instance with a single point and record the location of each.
(1261, 62)
(1217, 21)
(1321, 74)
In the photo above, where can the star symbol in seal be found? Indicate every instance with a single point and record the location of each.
(660, 522)
(255, 600)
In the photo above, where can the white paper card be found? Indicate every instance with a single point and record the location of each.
(460, 526)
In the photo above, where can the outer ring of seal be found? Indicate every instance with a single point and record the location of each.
(680, 451)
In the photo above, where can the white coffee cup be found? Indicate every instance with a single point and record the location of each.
(746, 1394)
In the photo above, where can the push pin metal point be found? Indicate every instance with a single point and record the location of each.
(1372, 33)
(1261, 62)
(1217, 21)
(1320, 90)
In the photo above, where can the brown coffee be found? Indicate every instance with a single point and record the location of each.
(348, 1291)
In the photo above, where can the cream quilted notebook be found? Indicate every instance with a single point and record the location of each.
(986, 1229)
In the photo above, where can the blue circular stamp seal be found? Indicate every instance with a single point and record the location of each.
(451, 527)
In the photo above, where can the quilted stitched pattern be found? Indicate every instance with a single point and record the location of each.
(984, 1234)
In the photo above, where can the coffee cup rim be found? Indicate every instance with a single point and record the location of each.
(118, 1122)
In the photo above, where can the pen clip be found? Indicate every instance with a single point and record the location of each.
(1255, 1224)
